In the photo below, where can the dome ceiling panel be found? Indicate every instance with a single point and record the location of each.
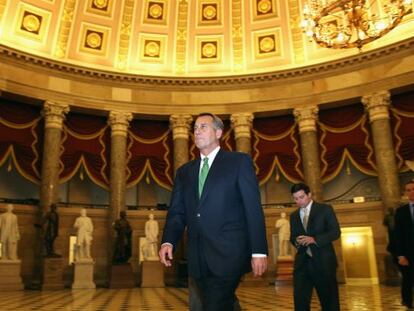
(182, 38)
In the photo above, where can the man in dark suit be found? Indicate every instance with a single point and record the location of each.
(404, 244)
(313, 228)
(223, 216)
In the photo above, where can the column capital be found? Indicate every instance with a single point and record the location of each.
(54, 114)
(119, 122)
(377, 105)
(306, 118)
(181, 125)
(242, 124)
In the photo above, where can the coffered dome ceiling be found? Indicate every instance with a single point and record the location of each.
(174, 38)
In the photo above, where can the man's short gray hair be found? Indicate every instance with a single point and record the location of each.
(217, 122)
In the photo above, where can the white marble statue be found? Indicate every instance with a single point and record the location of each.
(84, 227)
(9, 234)
(150, 247)
(283, 226)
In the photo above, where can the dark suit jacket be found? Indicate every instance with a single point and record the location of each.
(324, 227)
(227, 222)
(404, 232)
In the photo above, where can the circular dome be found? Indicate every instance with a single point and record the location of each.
(194, 38)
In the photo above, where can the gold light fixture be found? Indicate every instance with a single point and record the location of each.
(342, 24)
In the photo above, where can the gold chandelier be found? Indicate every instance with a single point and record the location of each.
(342, 24)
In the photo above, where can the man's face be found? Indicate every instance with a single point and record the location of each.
(301, 198)
(409, 192)
(205, 135)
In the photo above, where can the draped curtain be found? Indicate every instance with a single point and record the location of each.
(21, 139)
(402, 124)
(85, 148)
(149, 153)
(343, 132)
(276, 148)
(344, 135)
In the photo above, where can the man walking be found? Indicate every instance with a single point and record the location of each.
(217, 198)
(313, 229)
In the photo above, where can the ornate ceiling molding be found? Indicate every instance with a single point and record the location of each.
(402, 48)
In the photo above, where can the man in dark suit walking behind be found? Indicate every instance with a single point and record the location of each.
(404, 244)
(217, 198)
(313, 228)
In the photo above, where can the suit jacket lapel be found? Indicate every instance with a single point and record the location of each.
(312, 213)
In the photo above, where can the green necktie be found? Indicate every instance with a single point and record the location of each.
(202, 177)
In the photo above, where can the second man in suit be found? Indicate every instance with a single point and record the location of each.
(216, 197)
(313, 228)
(404, 244)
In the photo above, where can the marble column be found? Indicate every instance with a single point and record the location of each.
(242, 125)
(119, 122)
(54, 115)
(377, 105)
(306, 118)
(181, 126)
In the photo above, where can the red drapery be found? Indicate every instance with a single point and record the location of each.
(344, 134)
(21, 138)
(85, 147)
(402, 124)
(149, 153)
(276, 147)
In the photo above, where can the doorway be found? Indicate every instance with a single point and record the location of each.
(358, 251)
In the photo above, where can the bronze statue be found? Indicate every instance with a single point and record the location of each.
(122, 249)
(50, 230)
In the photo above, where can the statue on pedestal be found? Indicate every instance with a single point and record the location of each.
(84, 227)
(50, 225)
(284, 234)
(150, 247)
(122, 247)
(9, 234)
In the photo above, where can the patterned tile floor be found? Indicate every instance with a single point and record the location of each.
(353, 298)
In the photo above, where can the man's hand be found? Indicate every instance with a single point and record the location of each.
(402, 261)
(166, 254)
(259, 265)
(305, 240)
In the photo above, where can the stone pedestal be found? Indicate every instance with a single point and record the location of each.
(52, 273)
(284, 268)
(83, 274)
(10, 275)
(152, 274)
(122, 276)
